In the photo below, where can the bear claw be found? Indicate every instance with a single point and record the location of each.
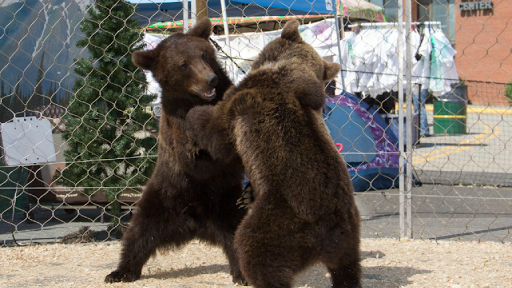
(193, 151)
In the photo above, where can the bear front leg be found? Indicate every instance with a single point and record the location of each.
(206, 126)
(189, 156)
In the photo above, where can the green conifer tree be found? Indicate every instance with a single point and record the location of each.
(107, 124)
(64, 100)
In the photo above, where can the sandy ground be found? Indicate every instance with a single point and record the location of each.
(387, 263)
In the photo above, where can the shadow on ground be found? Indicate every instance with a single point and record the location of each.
(189, 272)
(314, 277)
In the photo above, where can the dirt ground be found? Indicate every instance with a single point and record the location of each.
(387, 263)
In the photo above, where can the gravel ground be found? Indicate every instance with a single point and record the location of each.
(386, 262)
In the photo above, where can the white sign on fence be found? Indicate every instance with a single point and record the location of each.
(27, 140)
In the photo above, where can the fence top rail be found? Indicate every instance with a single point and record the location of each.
(432, 24)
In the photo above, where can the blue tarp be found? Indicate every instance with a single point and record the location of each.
(313, 6)
(150, 12)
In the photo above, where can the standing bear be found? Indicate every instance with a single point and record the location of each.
(190, 194)
(304, 210)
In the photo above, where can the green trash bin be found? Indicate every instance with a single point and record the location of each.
(450, 112)
(12, 181)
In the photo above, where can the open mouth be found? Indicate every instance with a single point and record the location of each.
(209, 95)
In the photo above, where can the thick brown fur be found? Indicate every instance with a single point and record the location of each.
(304, 210)
(190, 195)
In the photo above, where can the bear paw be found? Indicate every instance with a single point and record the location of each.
(118, 276)
(193, 150)
(245, 201)
(240, 280)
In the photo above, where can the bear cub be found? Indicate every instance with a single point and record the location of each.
(190, 194)
(304, 210)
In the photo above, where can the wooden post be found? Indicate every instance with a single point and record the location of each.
(202, 9)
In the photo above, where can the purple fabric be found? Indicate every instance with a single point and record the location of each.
(386, 151)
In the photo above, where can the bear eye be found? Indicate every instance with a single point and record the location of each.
(203, 55)
(184, 65)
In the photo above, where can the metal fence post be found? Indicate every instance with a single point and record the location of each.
(401, 143)
(409, 106)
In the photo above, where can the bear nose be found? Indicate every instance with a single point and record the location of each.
(212, 81)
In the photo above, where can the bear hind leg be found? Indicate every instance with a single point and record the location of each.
(265, 261)
(234, 263)
(221, 232)
(138, 246)
(141, 242)
(276, 277)
(223, 235)
(264, 268)
(149, 230)
(346, 273)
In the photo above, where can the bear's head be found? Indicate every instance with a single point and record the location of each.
(290, 48)
(184, 64)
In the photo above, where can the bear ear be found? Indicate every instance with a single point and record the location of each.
(330, 70)
(291, 31)
(144, 59)
(202, 29)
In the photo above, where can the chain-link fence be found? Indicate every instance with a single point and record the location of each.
(419, 110)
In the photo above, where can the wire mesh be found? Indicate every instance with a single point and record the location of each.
(66, 63)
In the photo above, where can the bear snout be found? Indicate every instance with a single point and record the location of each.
(212, 81)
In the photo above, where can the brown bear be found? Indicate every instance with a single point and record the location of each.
(190, 195)
(304, 210)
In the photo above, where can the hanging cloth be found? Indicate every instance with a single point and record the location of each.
(443, 71)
